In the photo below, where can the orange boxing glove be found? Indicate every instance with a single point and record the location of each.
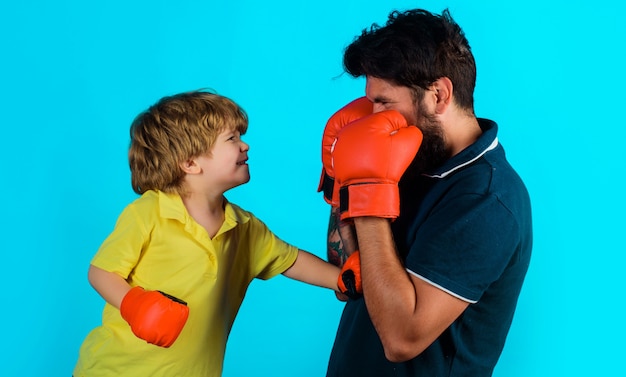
(351, 112)
(154, 316)
(370, 157)
(349, 281)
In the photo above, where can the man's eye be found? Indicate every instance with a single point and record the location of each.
(384, 104)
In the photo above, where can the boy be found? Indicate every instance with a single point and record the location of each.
(175, 269)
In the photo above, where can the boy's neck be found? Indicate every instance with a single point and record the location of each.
(206, 210)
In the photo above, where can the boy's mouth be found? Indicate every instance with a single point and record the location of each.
(242, 162)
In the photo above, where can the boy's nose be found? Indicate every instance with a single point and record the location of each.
(244, 147)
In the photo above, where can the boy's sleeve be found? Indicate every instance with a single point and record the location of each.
(121, 250)
(270, 255)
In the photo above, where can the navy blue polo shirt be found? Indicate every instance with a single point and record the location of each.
(466, 229)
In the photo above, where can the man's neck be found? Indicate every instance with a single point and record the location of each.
(461, 131)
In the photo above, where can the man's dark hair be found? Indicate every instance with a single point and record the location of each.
(414, 49)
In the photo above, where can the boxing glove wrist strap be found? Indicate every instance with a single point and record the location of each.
(327, 185)
(369, 199)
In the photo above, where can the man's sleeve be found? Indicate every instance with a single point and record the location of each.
(464, 246)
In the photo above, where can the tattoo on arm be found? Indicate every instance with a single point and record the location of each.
(335, 247)
(341, 239)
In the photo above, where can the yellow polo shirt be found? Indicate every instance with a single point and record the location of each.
(158, 246)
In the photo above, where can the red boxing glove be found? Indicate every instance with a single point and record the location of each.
(349, 281)
(154, 316)
(354, 110)
(370, 156)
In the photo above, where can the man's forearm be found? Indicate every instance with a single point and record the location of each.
(341, 239)
(407, 312)
(388, 290)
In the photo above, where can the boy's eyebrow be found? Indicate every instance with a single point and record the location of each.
(229, 132)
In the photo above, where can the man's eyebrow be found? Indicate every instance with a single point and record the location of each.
(380, 99)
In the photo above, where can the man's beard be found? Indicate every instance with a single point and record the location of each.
(433, 152)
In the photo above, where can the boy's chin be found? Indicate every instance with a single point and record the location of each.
(243, 181)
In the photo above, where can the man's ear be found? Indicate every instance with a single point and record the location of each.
(190, 167)
(444, 90)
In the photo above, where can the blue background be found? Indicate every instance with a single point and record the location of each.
(74, 74)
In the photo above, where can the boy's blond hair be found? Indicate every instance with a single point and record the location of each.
(174, 130)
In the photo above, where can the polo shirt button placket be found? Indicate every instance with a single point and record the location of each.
(212, 267)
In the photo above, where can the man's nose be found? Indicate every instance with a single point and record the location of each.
(378, 107)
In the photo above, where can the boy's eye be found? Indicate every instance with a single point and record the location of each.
(234, 136)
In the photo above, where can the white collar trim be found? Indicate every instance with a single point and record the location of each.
(492, 146)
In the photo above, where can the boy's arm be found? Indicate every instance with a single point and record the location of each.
(308, 268)
(153, 316)
(109, 285)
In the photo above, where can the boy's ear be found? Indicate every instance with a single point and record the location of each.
(190, 166)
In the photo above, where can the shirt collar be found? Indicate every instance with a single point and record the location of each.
(235, 214)
(488, 141)
(171, 207)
